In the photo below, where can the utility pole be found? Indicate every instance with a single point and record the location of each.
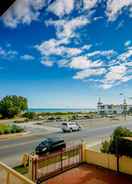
(124, 112)
(125, 109)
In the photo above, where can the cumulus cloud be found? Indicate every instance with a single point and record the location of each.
(61, 7)
(83, 62)
(115, 8)
(116, 73)
(65, 7)
(125, 56)
(83, 74)
(56, 47)
(127, 43)
(26, 11)
(27, 57)
(114, 76)
(66, 28)
(47, 63)
(107, 53)
(7, 53)
(89, 4)
(23, 11)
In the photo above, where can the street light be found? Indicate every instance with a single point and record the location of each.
(124, 106)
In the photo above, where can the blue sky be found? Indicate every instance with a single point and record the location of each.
(67, 53)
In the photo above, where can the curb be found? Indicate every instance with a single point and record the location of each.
(15, 135)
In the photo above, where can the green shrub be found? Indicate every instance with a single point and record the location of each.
(7, 129)
(116, 142)
(30, 115)
(105, 147)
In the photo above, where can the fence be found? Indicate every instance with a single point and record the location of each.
(10, 176)
(43, 167)
(108, 161)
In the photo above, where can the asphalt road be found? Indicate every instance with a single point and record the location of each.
(11, 151)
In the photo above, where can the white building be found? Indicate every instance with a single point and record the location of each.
(112, 108)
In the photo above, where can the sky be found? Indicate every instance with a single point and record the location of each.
(67, 53)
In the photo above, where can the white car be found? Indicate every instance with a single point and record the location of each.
(70, 126)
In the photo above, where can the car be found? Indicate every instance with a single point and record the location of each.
(49, 145)
(70, 126)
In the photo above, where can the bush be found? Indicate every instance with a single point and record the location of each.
(7, 129)
(29, 115)
(105, 147)
(116, 142)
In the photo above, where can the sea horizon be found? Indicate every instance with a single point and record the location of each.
(62, 109)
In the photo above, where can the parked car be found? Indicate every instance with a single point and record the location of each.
(49, 145)
(70, 126)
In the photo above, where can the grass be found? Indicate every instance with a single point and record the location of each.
(9, 129)
(21, 169)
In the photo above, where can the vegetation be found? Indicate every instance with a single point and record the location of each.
(57, 116)
(130, 111)
(7, 129)
(12, 105)
(116, 142)
(21, 169)
(30, 115)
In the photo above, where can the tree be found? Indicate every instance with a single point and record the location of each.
(116, 142)
(12, 105)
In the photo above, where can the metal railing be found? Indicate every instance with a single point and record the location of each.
(44, 167)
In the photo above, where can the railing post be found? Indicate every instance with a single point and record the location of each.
(61, 159)
(8, 178)
(83, 159)
(31, 168)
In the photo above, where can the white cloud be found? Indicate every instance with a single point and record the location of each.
(126, 55)
(129, 63)
(65, 7)
(50, 47)
(115, 8)
(55, 47)
(107, 53)
(115, 76)
(89, 73)
(127, 43)
(7, 53)
(47, 63)
(89, 4)
(66, 28)
(116, 73)
(23, 11)
(27, 57)
(82, 62)
(61, 7)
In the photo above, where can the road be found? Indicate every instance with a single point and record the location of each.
(12, 150)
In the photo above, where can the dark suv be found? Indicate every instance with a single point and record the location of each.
(49, 145)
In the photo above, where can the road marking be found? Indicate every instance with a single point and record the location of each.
(20, 144)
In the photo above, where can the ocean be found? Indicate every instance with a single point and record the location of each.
(62, 110)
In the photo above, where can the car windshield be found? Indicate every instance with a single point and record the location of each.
(43, 142)
(73, 124)
(54, 139)
(64, 124)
